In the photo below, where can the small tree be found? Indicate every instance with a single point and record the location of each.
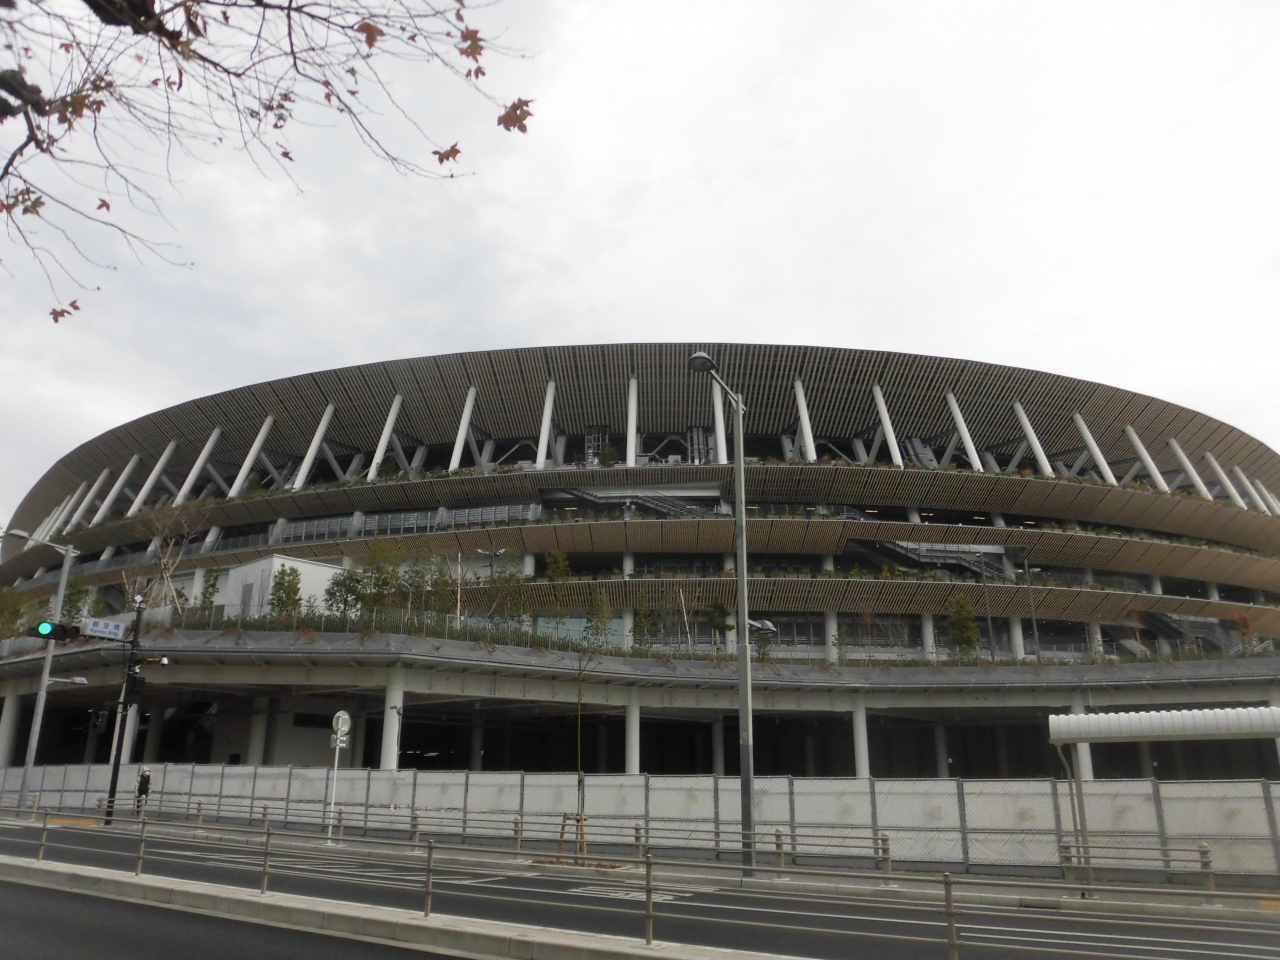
(381, 581)
(344, 592)
(718, 618)
(599, 626)
(285, 598)
(962, 624)
(558, 567)
(1245, 626)
(209, 592)
(13, 613)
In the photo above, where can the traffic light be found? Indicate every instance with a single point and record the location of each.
(47, 628)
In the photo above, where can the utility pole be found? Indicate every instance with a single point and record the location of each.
(127, 699)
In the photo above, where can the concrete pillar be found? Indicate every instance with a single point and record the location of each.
(717, 746)
(1016, 643)
(1213, 591)
(926, 636)
(155, 730)
(392, 714)
(1084, 755)
(632, 738)
(197, 585)
(831, 628)
(1157, 587)
(886, 425)
(810, 756)
(256, 753)
(861, 742)
(940, 752)
(628, 613)
(1148, 464)
(149, 484)
(602, 748)
(130, 736)
(1227, 486)
(913, 515)
(1042, 462)
(464, 424)
(717, 408)
(807, 447)
(477, 747)
(633, 432)
(1095, 638)
(385, 439)
(970, 451)
(1189, 469)
(9, 728)
(530, 565)
(1095, 451)
(91, 745)
(544, 432)
(1002, 753)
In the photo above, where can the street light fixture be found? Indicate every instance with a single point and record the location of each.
(69, 554)
(700, 362)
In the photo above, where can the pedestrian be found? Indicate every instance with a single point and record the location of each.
(144, 789)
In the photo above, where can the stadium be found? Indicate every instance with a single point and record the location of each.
(524, 560)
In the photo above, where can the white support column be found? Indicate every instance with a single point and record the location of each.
(1254, 496)
(130, 736)
(420, 457)
(717, 409)
(926, 636)
(1157, 587)
(308, 461)
(205, 452)
(9, 728)
(831, 632)
(256, 754)
(1042, 461)
(64, 516)
(1016, 642)
(530, 564)
(861, 742)
(251, 458)
(1270, 498)
(940, 758)
(1223, 479)
(47, 523)
(1084, 754)
(544, 432)
(392, 716)
(633, 421)
(1189, 470)
(140, 500)
(628, 613)
(385, 439)
(464, 425)
(1212, 589)
(717, 746)
(87, 503)
(1095, 451)
(1095, 638)
(970, 451)
(632, 738)
(155, 731)
(1148, 464)
(807, 448)
(891, 438)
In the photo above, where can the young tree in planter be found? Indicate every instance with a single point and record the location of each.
(285, 598)
(342, 595)
(962, 624)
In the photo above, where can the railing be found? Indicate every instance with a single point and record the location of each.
(792, 907)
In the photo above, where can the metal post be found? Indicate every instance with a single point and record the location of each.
(415, 828)
(791, 799)
(715, 798)
(466, 796)
(648, 900)
(953, 942)
(1158, 803)
(1206, 867)
(199, 813)
(44, 837)
(778, 848)
(746, 736)
(431, 869)
(266, 861)
(121, 710)
(519, 834)
(142, 846)
(33, 738)
(1269, 802)
(888, 855)
(964, 824)
(639, 842)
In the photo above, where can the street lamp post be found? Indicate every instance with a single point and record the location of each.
(55, 614)
(127, 699)
(701, 363)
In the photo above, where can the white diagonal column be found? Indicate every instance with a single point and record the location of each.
(717, 411)
(1223, 479)
(198, 467)
(87, 503)
(1094, 450)
(544, 432)
(251, 457)
(64, 515)
(807, 448)
(116, 489)
(1185, 462)
(886, 425)
(962, 428)
(464, 424)
(154, 476)
(1042, 461)
(1270, 497)
(313, 451)
(385, 439)
(1148, 464)
(1253, 494)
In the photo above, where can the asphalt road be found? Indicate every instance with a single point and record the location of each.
(809, 925)
(40, 924)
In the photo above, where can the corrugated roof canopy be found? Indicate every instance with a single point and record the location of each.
(1235, 723)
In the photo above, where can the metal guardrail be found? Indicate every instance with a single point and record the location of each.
(959, 915)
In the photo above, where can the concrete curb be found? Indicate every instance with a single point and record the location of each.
(454, 936)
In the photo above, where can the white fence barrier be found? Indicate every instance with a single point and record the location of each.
(966, 822)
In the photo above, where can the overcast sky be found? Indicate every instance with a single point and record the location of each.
(1087, 188)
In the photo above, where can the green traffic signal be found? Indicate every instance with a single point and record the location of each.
(44, 628)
